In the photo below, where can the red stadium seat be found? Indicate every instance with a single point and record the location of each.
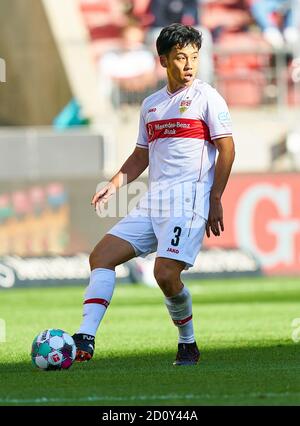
(242, 89)
(240, 64)
(104, 19)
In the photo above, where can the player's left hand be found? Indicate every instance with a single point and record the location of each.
(215, 218)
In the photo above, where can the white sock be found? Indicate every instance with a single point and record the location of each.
(97, 298)
(180, 309)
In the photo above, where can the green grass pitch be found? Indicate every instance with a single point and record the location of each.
(243, 329)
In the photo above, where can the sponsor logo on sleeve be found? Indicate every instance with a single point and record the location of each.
(224, 117)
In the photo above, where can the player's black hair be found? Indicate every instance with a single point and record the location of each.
(177, 35)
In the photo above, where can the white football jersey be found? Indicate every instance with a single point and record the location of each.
(179, 129)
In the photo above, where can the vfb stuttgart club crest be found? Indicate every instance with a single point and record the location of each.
(184, 105)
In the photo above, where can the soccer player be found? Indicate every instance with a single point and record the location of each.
(182, 126)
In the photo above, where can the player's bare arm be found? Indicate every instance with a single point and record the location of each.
(225, 147)
(131, 170)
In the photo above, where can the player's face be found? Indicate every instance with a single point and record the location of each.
(182, 66)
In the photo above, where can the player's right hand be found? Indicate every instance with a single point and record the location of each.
(101, 197)
(215, 218)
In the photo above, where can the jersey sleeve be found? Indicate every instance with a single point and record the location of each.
(142, 140)
(217, 116)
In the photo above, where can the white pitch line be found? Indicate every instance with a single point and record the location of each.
(170, 397)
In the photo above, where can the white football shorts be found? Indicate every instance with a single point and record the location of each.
(178, 238)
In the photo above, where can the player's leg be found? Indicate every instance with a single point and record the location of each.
(167, 274)
(131, 237)
(179, 242)
(108, 253)
(179, 304)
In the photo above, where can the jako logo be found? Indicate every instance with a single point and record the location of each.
(172, 250)
(2, 71)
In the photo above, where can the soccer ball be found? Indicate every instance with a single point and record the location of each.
(53, 349)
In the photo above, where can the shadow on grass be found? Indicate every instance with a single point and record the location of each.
(230, 376)
(219, 299)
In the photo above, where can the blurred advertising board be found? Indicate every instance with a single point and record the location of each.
(53, 219)
(16, 271)
(262, 215)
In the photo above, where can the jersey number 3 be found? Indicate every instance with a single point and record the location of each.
(177, 232)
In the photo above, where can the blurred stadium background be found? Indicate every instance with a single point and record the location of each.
(73, 76)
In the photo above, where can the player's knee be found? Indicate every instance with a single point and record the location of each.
(97, 259)
(165, 277)
(93, 259)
